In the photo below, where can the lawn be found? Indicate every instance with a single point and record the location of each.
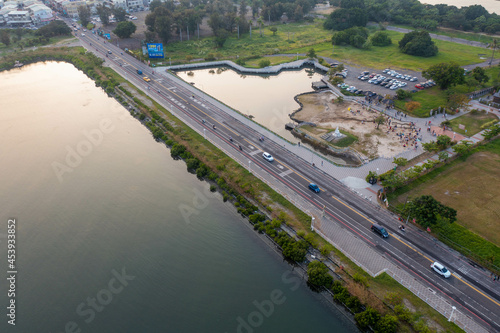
(472, 122)
(289, 36)
(429, 99)
(455, 34)
(275, 60)
(296, 38)
(471, 187)
(391, 57)
(434, 97)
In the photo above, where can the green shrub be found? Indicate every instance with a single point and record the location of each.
(213, 188)
(264, 63)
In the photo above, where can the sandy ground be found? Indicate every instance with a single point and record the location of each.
(320, 108)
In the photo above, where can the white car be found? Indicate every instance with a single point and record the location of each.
(267, 157)
(440, 269)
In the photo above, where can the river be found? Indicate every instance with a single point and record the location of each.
(113, 235)
(268, 98)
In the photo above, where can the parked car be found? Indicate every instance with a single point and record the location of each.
(380, 230)
(441, 270)
(314, 187)
(419, 86)
(267, 157)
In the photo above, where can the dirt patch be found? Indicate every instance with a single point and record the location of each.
(323, 110)
(462, 187)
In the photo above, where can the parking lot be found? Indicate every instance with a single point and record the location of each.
(353, 73)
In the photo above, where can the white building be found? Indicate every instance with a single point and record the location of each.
(40, 13)
(25, 13)
(18, 18)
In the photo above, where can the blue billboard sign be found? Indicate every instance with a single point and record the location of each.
(108, 36)
(155, 50)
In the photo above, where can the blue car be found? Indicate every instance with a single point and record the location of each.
(314, 187)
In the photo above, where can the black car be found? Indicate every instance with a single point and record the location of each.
(380, 230)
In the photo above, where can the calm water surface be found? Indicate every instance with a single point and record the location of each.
(115, 236)
(268, 98)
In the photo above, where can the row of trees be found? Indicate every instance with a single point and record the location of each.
(104, 13)
(413, 12)
(359, 38)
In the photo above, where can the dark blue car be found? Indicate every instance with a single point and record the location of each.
(314, 187)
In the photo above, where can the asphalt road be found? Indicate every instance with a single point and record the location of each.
(470, 288)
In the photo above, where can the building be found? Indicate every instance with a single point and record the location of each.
(40, 14)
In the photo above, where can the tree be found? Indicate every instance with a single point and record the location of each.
(367, 318)
(379, 120)
(54, 28)
(311, 53)
(445, 74)
(243, 8)
(84, 15)
(119, 13)
(125, 29)
(264, 63)
(443, 141)
(425, 209)
(317, 274)
(418, 43)
(443, 156)
(491, 132)
(295, 250)
(479, 74)
(274, 30)
(346, 18)
(221, 37)
(403, 94)
(463, 147)
(371, 177)
(260, 21)
(103, 13)
(400, 161)
(5, 37)
(387, 324)
(381, 38)
(494, 45)
(458, 101)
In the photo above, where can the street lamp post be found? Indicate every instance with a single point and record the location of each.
(453, 308)
(249, 166)
(205, 133)
(312, 224)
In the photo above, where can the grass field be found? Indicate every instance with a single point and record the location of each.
(471, 187)
(434, 97)
(472, 122)
(390, 56)
(288, 36)
(296, 38)
(455, 34)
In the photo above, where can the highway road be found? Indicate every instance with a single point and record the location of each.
(470, 288)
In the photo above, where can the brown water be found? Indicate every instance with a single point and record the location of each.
(95, 197)
(268, 98)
